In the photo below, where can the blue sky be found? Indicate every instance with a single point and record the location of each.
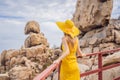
(15, 13)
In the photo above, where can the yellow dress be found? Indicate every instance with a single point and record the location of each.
(69, 69)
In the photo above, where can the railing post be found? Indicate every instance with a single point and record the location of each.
(49, 69)
(59, 70)
(100, 66)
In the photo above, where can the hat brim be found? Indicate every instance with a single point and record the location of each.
(74, 31)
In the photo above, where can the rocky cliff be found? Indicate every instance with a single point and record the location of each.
(91, 14)
(31, 59)
(98, 33)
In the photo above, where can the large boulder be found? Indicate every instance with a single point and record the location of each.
(112, 59)
(25, 63)
(101, 39)
(90, 14)
(35, 39)
(109, 74)
(32, 26)
(20, 73)
(31, 59)
(4, 77)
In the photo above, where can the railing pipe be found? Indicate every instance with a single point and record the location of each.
(100, 66)
(49, 70)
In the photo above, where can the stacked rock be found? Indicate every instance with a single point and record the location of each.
(35, 37)
(27, 62)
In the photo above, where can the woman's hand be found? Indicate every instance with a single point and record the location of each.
(83, 55)
(56, 61)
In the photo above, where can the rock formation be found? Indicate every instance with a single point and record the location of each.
(32, 26)
(99, 33)
(114, 58)
(35, 37)
(90, 14)
(101, 39)
(27, 62)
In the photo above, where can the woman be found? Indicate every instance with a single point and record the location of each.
(69, 69)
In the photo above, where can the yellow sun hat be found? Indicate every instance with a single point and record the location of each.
(68, 27)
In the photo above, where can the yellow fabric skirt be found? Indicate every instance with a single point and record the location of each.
(69, 71)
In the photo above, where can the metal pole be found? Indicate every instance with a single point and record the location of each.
(59, 71)
(100, 66)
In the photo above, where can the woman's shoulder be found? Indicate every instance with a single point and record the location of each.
(76, 38)
(64, 38)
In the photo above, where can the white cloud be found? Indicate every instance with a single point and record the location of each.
(46, 12)
(40, 9)
(116, 9)
(52, 32)
(7, 21)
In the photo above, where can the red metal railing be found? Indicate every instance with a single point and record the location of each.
(49, 70)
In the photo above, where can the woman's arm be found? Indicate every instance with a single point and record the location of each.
(65, 53)
(79, 52)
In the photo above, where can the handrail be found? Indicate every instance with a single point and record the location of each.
(103, 52)
(49, 70)
(117, 78)
(46, 72)
(98, 70)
